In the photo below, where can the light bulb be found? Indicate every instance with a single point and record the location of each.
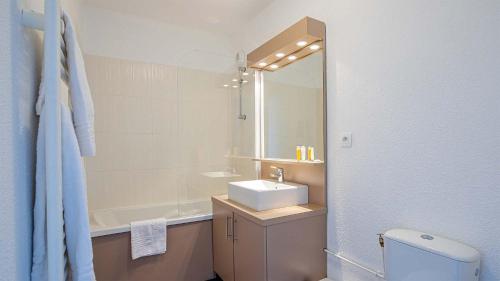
(262, 64)
(292, 57)
(245, 73)
(280, 55)
(226, 85)
(301, 43)
(274, 66)
(314, 47)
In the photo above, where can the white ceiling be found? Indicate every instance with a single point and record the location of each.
(226, 16)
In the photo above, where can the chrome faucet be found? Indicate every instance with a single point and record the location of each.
(279, 174)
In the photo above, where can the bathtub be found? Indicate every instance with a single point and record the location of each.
(117, 220)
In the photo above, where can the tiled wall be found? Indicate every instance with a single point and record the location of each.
(243, 131)
(158, 128)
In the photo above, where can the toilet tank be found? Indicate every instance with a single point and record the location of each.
(416, 256)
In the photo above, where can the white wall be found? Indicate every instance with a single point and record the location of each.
(112, 34)
(18, 83)
(416, 82)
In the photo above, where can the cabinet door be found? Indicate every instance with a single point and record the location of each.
(223, 242)
(249, 250)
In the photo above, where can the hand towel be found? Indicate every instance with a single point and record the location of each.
(149, 237)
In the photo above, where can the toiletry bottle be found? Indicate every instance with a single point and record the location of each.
(310, 153)
(298, 152)
(303, 153)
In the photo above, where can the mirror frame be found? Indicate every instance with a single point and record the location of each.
(309, 30)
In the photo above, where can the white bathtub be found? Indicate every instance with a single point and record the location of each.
(117, 220)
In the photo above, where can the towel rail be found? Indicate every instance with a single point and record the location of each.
(53, 68)
(36, 20)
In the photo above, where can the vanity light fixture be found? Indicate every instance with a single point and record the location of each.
(298, 41)
(314, 47)
(301, 43)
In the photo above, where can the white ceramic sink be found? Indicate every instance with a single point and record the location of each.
(264, 194)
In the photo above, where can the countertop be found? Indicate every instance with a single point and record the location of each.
(273, 216)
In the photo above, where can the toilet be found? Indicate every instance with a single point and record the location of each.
(417, 256)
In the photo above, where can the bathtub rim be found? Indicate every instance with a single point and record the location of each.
(102, 231)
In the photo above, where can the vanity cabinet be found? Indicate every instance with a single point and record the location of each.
(223, 246)
(271, 245)
(249, 256)
(239, 246)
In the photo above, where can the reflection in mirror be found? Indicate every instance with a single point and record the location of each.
(293, 108)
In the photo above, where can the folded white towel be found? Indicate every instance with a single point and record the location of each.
(149, 237)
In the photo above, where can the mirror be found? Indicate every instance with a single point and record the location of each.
(293, 111)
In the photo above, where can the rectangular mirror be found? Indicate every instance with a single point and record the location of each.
(293, 108)
(290, 93)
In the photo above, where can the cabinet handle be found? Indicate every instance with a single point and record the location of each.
(228, 234)
(234, 230)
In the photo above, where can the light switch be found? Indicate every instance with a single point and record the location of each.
(346, 139)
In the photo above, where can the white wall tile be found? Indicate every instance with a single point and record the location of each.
(165, 151)
(132, 151)
(166, 184)
(103, 160)
(158, 128)
(131, 115)
(163, 81)
(165, 116)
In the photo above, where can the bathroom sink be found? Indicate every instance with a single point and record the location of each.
(265, 194)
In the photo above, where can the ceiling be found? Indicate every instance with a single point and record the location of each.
(226, 16)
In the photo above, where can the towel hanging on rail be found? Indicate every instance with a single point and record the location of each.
(81, 99)
(79, 90)
(77, 139)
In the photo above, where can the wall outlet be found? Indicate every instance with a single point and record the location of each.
(346, 139)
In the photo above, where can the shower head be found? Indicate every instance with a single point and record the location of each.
(241, 61)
